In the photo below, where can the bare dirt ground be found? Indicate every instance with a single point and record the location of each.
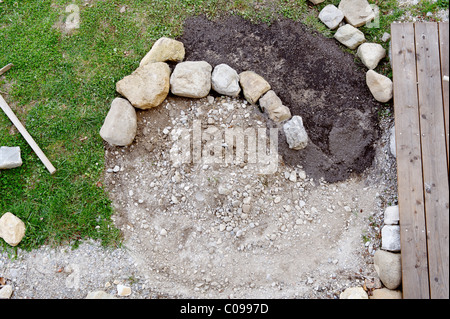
(218, 231)
(196, 230)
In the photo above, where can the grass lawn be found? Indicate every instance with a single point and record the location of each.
(61, 87)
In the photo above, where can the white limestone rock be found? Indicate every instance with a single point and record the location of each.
(10, 157)
(191, 79)
(391, 215)
(147, 86)
(296, 135)
(331, 16)
(357, 12)
(390, 238)
(349, 36)
(274, 107)
(253, 86)
(225, 80)
(120, 125)
(12, 229)
(380, 86)
(371, 54)
(164, 49)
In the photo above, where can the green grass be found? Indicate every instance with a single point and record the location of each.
(61, 87)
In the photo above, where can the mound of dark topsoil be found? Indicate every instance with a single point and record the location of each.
(311, 74)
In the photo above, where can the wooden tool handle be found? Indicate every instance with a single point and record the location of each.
(6, 68)
(5, 107)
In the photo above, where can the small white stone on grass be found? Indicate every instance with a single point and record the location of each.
(10, 157)
(12, 229)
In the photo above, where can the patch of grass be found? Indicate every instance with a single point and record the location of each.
(422, 8)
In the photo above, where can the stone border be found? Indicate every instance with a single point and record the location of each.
(149, 85)
(346, 18)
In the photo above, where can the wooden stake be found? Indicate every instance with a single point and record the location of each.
(5, 107)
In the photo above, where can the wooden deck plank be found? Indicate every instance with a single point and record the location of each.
(434, 155)
(443, 45)
(409, 164)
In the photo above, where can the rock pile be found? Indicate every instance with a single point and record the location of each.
(347, 18)
(149, 85)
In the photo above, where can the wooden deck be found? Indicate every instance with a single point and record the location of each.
(420, 60)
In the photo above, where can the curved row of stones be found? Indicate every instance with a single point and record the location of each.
(346, 18)
(149, 85)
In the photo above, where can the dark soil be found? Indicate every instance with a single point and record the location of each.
(312, 75)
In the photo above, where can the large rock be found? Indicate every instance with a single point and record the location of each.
(388, 267)
(12, 229)
(164, 49)
(253, 86)
(349, 36)
(316, 1)
(296, 135)
(379, 85)
(191, 79)
(371, 54)
(225, 80)
(357, 12)
(10, 157)
(274, 107)
(391, 215)
(147, 86)
(331, 16)
(120, 125)
(390, 237)
(354, 293)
